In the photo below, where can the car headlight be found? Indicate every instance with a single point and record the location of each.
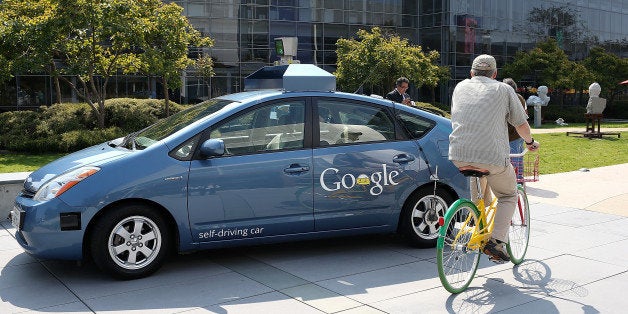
(59, 184)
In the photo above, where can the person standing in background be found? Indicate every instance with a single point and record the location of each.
(399, 93)
(516, 142)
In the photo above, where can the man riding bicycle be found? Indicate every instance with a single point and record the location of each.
(480, 111)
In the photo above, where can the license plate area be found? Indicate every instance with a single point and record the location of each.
(17, 218)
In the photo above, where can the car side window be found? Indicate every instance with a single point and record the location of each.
(416, 126)
(268, 128)
(345, 123)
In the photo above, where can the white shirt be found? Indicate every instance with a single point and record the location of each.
(481, 108)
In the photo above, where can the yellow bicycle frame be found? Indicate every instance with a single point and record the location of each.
(479, 236)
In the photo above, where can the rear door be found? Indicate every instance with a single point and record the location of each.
(361, 172)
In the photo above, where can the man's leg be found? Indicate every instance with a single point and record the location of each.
(503, 183)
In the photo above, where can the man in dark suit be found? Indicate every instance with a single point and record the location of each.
(399, 93)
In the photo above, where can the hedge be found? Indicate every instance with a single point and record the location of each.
(67, 127)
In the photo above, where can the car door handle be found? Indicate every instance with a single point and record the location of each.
(403, 158)
(296, 168)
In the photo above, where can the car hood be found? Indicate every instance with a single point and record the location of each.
(93, 156)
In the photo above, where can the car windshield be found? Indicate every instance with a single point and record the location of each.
(167, 126)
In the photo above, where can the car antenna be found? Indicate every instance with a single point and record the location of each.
(367, 77)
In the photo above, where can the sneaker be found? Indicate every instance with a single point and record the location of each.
(496, 251)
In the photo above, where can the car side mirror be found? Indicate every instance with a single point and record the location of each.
(213, 147)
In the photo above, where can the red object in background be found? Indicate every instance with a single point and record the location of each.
(624, 82)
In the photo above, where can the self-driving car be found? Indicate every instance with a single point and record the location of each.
(294, 162)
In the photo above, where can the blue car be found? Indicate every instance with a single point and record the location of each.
(269, 164)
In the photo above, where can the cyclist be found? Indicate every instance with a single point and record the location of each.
(480, 111)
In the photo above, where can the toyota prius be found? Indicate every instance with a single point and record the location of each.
(295, 162)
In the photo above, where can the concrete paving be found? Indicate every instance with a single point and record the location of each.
(577, 262)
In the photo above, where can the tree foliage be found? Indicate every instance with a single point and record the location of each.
(165, 44)
(86, 42)
(27, 31)
(607, 69)
(547, 64)
(375, 60)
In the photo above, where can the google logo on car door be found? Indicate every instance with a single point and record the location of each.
(349, 180)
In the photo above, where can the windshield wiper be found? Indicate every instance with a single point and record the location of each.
(130, 139)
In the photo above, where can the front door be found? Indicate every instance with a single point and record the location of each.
(263, 185)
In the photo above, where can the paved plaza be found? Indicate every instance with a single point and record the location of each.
(577, 262)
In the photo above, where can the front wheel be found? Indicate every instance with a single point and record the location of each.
(420, 215)
(130, 242)
(457, 262)
(519, 231)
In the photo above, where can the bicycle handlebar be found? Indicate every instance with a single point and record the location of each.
(525, 151)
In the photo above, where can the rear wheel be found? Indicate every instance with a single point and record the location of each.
(420, 216)
(519, 231)
(457, 263)
(130, 242)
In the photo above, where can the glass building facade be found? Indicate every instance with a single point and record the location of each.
(244, 31)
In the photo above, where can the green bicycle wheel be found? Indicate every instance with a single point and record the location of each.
(519, 231)
(457, 263)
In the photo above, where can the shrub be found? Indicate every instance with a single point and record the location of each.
(19, 123)
(79, 139)
(72, 126)
(132, 114)
(60, 118)
(570, 114)
(617, 110)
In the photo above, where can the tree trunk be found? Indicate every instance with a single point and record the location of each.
(57, 89)
(86, 95)
(55, 78)
(166, 98)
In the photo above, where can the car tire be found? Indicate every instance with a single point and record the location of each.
(420, 215)
(130, 242)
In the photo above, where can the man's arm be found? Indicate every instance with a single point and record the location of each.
(525, 133)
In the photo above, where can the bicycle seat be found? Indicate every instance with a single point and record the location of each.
(470, 171)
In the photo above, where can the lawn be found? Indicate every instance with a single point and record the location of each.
(10, 162)
(559, 153)
(562, 153)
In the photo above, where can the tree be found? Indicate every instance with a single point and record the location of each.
(165, 43)
(608, 70)
(27, 38)
(548, 65)
(86, 42)
(376, 60)
(205, 69)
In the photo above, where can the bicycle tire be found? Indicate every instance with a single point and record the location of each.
(519, 231)
(456, 263)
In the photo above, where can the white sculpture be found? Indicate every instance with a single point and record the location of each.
(537, 101)
(596, 104)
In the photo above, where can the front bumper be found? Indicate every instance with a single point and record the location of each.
(40, 234)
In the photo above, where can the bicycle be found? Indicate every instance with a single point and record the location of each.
(467, 227)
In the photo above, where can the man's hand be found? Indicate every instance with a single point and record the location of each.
(533, 146)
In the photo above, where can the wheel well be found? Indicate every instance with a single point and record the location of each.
(171, 223)
(430, 185)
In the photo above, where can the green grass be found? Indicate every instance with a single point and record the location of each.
(603, 125)
(10, 162)
(562, 153)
